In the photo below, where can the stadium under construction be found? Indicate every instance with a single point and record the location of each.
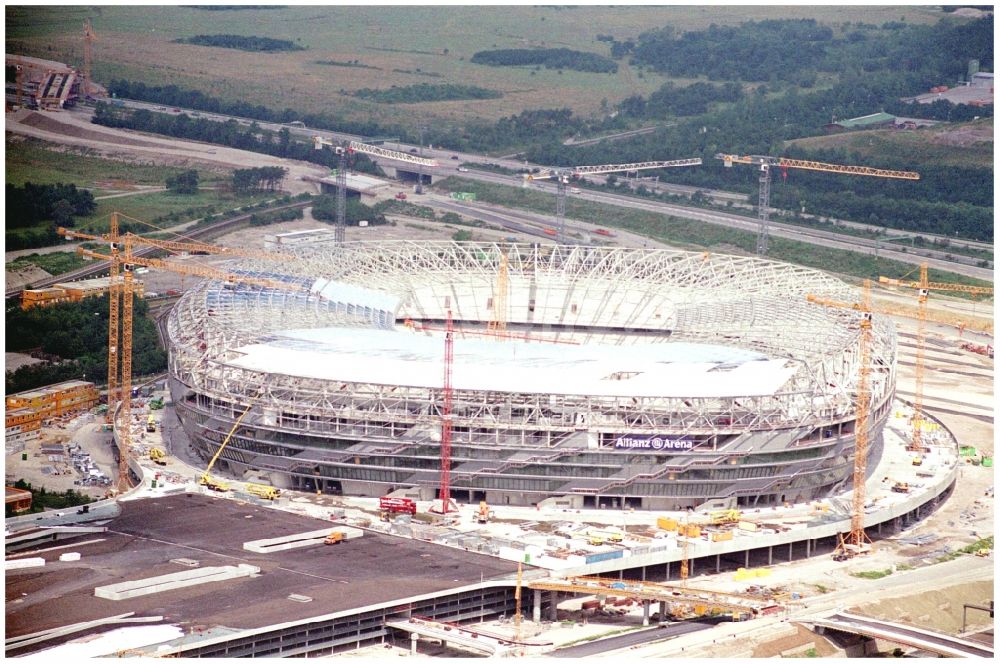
(584, 376)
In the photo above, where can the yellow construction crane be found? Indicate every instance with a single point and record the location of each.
(562, 176)
(924, 286)
(766, 163)
(517, 606)
(857, 542)
(206, 478)
(89, 37)
(497, 326)
(121, 295)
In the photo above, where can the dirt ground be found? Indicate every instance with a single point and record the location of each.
(75, 129)
(940, 610)
(964, 135)
(23, 276)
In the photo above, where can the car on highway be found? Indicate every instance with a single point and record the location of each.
(176, 110)
(463, 169)
(401, 196)
(454, 156)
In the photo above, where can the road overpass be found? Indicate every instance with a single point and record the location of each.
(900, 633)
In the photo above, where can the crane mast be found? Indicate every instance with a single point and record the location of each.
(856, 542)
(562, 177)
(497, 326)
(449, 358)
(923, 287)
(765, 163)
(343, 152)
(121, 292)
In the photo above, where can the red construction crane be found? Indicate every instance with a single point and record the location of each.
(764, 194)
(563, 175)
(449, 358)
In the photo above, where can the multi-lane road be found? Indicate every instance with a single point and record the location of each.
(450, 161)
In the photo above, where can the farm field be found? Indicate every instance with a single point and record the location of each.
(401, 46)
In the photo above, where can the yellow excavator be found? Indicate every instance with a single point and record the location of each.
(158, 456)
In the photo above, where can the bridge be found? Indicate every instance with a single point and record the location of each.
(902, 634)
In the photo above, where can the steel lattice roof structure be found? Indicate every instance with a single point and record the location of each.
(612, 340)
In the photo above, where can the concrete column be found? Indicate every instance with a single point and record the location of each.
(644, 573)
(691, 568)
(621, 574)
(770, 554)
(645, 613)
(536, 609)
(746, 564)
(718, 560)
(790, 551)
(808, 548)
(880, 528)
(413, 644)
(663, 612)
(553, 602)
(668, 572)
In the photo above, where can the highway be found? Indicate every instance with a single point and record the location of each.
(449, 161)
(942, 644)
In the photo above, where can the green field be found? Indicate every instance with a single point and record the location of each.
(31, 160)
(968, 144)
(54, 263)
(136, 42)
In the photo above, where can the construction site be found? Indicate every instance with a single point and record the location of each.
(435, 448)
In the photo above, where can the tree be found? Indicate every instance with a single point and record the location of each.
(184, 183)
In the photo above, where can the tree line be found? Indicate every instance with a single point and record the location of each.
(324, 208)
(77, 333)
(42, 499)
(550, 58)
(32, 203)
(185, 182)
(242, 43)
(229, 133)
(424, 92)
(265, 178)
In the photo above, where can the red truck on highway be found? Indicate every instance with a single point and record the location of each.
(604, 231)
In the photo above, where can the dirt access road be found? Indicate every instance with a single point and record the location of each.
(71, 128)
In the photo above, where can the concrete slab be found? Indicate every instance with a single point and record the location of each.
(165, 582)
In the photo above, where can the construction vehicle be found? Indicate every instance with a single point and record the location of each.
(158, 456)
(562, 176)
(766, 163)
(388, 505)
(263, 491)
(726, 516)
(901, 487)
(484, 513)
(150, 423)
(213, 484)
(595, 540)
(918, 460)
(336, 537)
(607, 535)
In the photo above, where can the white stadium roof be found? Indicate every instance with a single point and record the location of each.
(407, 359)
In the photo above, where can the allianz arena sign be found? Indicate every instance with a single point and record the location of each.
(653, 443)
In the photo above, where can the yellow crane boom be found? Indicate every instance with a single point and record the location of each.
(765, 163)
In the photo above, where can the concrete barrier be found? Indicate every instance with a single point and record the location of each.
(23, 563)
(159, 584)
(311, 538)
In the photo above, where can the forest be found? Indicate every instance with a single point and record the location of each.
(34, 203)
(77, 334)
(264, 178)
(865, 69)
(424, 92)
(325, 209)
(242, 43)
(550, 58)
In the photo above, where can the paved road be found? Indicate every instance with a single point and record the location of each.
(601, 646)
(449, 166)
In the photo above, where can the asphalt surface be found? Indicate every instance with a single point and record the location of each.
(149, 534)
(600, 646)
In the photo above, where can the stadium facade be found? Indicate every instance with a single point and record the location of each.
(654, 379)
